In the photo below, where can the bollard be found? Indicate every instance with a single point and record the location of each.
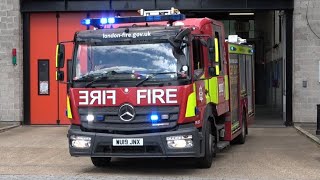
(318, 120)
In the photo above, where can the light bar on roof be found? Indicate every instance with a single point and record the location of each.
(100, 22)
(159, 12)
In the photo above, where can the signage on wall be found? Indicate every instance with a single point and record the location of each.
(44, 87)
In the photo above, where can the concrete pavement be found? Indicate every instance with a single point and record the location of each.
(4, 126)
(269, 153)
(309, 130)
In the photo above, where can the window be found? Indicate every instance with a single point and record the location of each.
(242, 63)
(198, 63)
(126, 58)
(43, 77)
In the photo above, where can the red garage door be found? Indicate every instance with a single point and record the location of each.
(47, 96)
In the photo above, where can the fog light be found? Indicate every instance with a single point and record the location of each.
(165, 116)
(178, 142)
(100, 117)
(90, 117)
(81, 142)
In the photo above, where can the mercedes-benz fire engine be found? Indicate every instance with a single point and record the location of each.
(156, 85)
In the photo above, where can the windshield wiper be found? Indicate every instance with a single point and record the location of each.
(100, 77)
(152, 76)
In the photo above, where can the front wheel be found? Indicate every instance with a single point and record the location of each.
(210, 148)
(101, 161)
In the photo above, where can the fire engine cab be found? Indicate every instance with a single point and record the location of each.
(157, 85)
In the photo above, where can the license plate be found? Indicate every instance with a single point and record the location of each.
(128, 142)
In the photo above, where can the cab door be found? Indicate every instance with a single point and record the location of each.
(219, 59)
(199, 72)
(218, 79)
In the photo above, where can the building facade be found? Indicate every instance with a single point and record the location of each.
(11, 73)
(306, 66)
(288, 72)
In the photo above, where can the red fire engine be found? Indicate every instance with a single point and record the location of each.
(157, 85)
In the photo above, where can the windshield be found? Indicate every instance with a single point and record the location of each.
(129, 61)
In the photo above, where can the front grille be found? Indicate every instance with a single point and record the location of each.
(138, 109)
(128, 149)
(110, 120)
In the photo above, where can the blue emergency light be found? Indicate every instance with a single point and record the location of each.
(100, 22)
(87, 21)
(103, 21)
(154, 117)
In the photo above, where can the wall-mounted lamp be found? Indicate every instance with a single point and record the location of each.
(241, 14)
(14, 56)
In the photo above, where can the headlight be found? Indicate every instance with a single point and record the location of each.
(178, 142)
(81, 142)
(90, 117)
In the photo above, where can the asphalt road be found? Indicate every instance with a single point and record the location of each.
(270, 153)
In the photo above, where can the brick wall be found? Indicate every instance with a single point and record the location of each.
(10, 76)
(306, 61)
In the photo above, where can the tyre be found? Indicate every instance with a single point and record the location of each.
(241, 139)
(210, 148)
(101, 161)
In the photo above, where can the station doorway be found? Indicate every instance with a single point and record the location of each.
(267, 32)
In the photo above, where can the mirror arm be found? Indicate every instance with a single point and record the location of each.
(62, 42)
(62, 82)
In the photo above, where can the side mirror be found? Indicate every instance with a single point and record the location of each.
(212, 71)
(59, 75)
(174, 43)
(60, 52)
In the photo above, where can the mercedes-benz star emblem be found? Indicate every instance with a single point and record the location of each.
(126, 112)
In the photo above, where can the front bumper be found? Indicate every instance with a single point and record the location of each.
(154, 144)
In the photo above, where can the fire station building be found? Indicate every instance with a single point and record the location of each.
(285, 35)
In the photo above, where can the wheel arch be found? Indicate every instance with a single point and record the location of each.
(210, 115)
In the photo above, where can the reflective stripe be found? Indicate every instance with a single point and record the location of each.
(191, 103)
(235, 126)
(226, 87)
(216, 45)
(57, 48)
(217, 70)
(69, 113)
(213, 90)
(56, 76)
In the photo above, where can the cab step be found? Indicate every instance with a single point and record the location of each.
(223, 144)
